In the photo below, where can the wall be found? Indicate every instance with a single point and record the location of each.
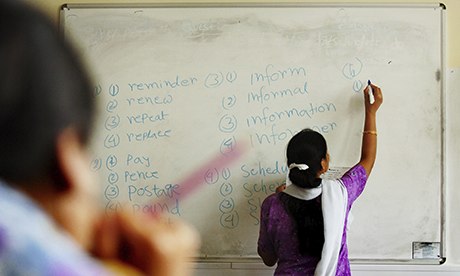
(452, 266)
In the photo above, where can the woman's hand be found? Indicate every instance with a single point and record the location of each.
(378, 99)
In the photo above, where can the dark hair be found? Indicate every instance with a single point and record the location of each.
(306, 147)
(308, 219)
(43, 90)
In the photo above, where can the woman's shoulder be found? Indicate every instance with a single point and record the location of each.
(272, 202)
(270, 199)
(354, 175)
(354, 180)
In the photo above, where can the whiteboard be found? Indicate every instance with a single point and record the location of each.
(179, 85)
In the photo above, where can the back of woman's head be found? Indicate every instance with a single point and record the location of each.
(43, 90)
(306, 147)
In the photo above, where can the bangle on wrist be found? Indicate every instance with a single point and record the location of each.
(373, 132)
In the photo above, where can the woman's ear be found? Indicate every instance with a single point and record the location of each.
(324, 164)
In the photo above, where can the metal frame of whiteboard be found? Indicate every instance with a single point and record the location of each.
(443, 189)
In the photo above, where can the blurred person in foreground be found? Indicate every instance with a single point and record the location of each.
(51, 222)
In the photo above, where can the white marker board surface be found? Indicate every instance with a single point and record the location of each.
(177, 85)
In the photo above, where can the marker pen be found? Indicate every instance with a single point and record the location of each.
(371, 93)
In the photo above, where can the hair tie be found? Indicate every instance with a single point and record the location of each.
(301, 167)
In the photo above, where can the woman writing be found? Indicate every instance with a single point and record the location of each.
(303, 228)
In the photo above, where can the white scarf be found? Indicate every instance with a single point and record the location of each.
(334, 206)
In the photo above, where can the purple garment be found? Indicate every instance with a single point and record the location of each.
(278, 235)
